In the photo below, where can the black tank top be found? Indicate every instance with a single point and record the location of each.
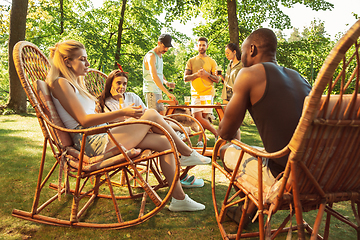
(277, 113)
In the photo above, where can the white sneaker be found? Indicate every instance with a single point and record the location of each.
(195, 158)
(200, 144)
(185, 205)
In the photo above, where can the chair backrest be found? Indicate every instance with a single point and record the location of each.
(95, 82)
(32, 67)
(326, 143)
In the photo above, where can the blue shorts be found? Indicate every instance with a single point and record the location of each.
(94, 145)
(151, 101)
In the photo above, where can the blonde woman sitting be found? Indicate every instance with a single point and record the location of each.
(76, 107)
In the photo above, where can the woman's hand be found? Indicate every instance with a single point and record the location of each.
(131, 111)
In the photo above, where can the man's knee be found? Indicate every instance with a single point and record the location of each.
(223, 149)
(229, 154)
(222, 155)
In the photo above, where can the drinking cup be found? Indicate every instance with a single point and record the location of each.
(187, 100)
(202, 100)
(208, 99)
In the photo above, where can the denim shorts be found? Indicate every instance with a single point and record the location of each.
(151, 101)
(94, 144)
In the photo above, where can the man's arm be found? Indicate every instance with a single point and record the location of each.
(249, 88)
(168, 84)
(151, 63)
(214, 78)
(236, 108)
(189, 76)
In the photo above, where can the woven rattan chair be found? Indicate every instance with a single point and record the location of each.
(323, 166)
(88, 178)
(95, 81)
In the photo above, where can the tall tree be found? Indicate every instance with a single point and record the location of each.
(61, 17)
(120, 31)
(17, 97)
(233, 21)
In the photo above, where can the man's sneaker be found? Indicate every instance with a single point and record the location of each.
(195, 158)
(200, 144)
(185, 205)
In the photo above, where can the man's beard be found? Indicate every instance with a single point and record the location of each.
(202, 51)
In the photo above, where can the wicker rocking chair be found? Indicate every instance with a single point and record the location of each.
(89, 180)
(324, 152)
(95, 82)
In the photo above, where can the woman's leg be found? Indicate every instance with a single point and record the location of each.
(180, 201)
(177, 128)
(145, 140)
(159, 143)
(154, 116)
(125, 135)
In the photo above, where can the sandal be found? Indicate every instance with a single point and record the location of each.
(191, 182)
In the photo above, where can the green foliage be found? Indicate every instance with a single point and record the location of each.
(4, 78)
(305, 53)
(4, 36)
(48, 23)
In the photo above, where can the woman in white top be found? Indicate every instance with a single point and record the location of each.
(76, 107)
(114, 96)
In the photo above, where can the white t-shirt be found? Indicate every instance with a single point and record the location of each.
(129, 97)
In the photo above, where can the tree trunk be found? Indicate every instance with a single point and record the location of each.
(61, 17)
(120, 30)
(17, 96)
(233, 21)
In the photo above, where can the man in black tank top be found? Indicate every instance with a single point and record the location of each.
(273, 95)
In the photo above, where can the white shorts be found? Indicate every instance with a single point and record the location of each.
(249, 164)
(196, 101)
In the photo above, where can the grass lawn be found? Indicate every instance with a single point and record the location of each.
(21, 147)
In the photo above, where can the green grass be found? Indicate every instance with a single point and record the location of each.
(21, 147)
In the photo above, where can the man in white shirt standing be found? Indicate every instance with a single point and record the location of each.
(153, 77)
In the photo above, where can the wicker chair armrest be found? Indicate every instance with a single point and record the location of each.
(102, 129)
(259, 153)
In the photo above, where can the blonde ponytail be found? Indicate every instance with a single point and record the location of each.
(58, 54)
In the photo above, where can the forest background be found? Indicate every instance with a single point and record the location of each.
(124, 31)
